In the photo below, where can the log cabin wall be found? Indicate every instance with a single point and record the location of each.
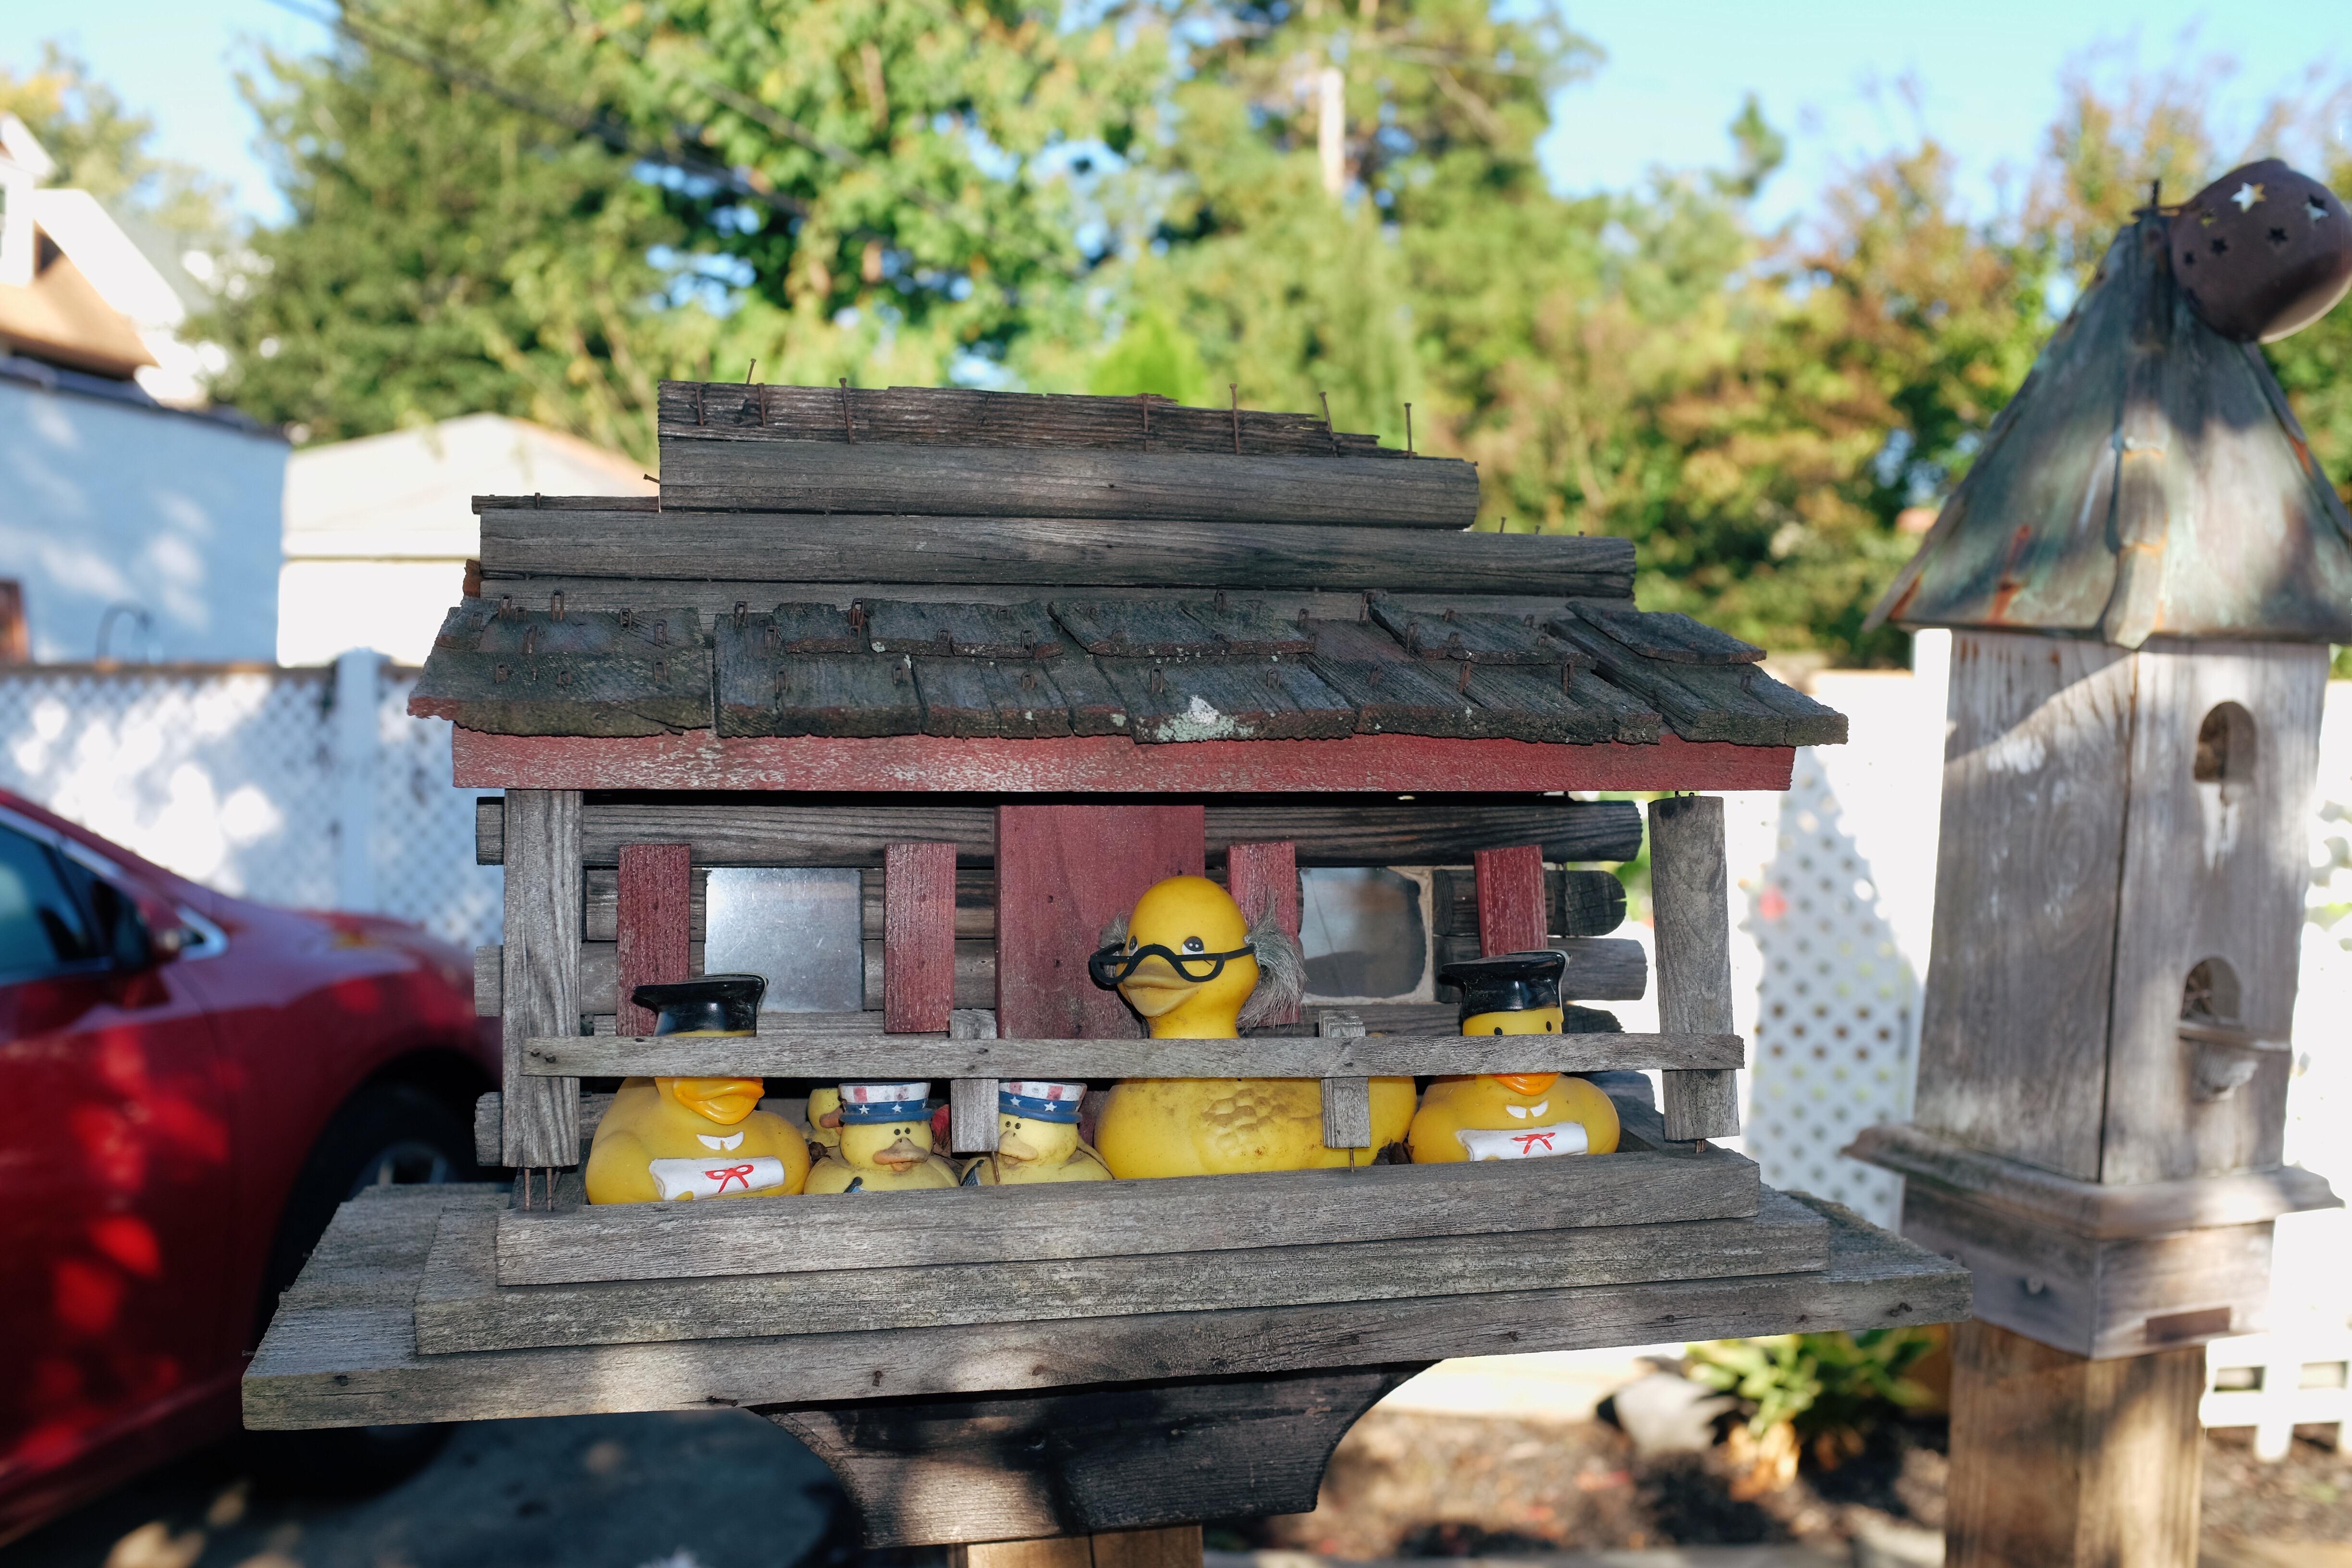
(1580, 905)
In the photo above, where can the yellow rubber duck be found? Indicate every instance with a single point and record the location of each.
(1037, 1137)
(1196, 970)
(682, 1138)
(1511, 1116)
(885, 1144)
(823, 1117)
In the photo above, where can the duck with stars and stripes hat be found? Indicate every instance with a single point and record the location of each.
(1037, 1137)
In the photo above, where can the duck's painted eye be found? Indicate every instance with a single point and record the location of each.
(1519, 1112)
(1539, 1109)
(1194, 944)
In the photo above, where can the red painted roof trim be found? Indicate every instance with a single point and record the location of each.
(1106, 764)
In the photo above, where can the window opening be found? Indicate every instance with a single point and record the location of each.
(1365, 932)
(800, 928)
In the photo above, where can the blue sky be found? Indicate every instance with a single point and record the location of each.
(1986, 70)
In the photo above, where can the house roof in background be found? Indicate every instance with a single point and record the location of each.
(408, 494)
(61, 316)
(2149, 479)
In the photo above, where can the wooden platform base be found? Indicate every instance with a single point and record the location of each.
(343, 1348)
(1115, 1458)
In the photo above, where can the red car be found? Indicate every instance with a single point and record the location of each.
(189, 1084)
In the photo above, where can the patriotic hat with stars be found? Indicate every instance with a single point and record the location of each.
(1040, 1099)
(870, 1102)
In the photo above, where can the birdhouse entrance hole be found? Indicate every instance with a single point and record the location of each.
(2210, 994)
(2225, 747)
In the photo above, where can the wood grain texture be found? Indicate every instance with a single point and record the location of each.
(973, 973)
(653, 895)
(600, 921)
(925, 1472)
(792, 551)
(2092, 1208)
(1264, 879)
(966, 416)
(1063, 873)
(787, 1053)
(1403, 764)
(972, 1119)
(1347, 1101)
(848, 830)
(539, 972)
(919, 942)
(2211, 871)
(341, 1351)
(1690, 900)
(1727, 701)
(885, 480)
(1599, 968)
(460, 1307)
(2013, 1029)
(1575, 902)
(1510, 900)
(2060, 1462)
(1194, 1214)
(2118, 1297)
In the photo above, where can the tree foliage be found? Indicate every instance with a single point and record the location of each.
(544, 207)
(103, 148)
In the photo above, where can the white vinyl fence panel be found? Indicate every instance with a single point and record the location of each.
(310, 787)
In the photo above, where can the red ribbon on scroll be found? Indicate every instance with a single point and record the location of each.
(726, 1174)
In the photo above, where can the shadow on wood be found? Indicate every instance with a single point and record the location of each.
(1118, 1457)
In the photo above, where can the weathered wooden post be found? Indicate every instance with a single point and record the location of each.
(2142, 574)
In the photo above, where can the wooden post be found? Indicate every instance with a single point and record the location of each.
(539, 973)
(1178, 1546)
(1063, 872)
(1511, 899)
(918, 937)
(2059, 1461)
(1260, 874)
(1691, 908)
(652, 914)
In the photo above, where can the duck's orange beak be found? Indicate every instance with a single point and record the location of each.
(1527, 1082)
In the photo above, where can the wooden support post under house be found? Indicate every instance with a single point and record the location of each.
(1178, 1546)
(652, 925)
(1511, 899)
(2059, 1461)
(1262, 876)
(1690, 901)
(539, 979)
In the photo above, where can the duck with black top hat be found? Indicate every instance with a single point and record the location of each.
(681, 1138)
(886, 1143)
(1511, 1116)
(1037, 1138)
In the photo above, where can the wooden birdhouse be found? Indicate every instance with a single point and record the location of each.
(2142, 572)
(1002, 663)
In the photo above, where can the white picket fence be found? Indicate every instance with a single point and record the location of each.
(312, 787)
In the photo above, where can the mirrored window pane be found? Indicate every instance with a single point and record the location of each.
(800, 928)
(1365, 934)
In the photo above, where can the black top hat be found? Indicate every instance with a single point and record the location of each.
(708, 1002)
(1508, 982)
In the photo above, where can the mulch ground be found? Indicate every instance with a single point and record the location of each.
(1404, 1484)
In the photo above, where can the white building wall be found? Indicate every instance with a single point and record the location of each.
(105, 502)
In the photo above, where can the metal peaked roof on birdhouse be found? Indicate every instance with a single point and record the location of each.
(2149, 479)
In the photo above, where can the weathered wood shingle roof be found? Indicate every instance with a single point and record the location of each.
(1072, 577)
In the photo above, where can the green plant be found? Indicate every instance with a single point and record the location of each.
(1821, 1384)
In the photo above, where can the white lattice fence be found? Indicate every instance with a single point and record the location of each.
(251, 778)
